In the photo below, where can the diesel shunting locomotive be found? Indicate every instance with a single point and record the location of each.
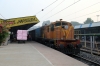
(59, 35)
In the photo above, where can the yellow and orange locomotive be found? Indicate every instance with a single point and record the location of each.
(60, 35)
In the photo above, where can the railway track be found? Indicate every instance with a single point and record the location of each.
(91, 60)
(87, 58)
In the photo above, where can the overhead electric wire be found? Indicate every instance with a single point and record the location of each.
(83, 9)
(85, 18)
(46, 7)
(50, 4)
(2, 16)
(64, 8)
(54, 7)
(84, 15)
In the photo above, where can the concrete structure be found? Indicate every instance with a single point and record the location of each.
(34, 54)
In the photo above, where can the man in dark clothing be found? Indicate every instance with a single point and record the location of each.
(11, 37)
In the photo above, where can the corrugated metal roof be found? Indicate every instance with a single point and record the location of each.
(76, 27)
(95, 24)
(85, 25)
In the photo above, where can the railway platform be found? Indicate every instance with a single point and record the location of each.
(34, 54)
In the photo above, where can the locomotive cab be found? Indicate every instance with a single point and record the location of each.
(62, 30)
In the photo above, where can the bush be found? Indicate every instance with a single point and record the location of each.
(3, 34)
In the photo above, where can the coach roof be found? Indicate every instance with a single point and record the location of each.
(95, 24)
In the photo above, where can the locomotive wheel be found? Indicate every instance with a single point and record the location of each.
(61, 48)
(53, 46)
(48, 44)
(66, 50)
(70, 49)
(43, 41)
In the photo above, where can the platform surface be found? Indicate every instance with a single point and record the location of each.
(34, 54)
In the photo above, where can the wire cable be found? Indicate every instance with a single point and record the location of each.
(2, 16)
(64, 9)
(54, 7)
(46, 7)
(50, 4)
(84, 15)
(82, 9)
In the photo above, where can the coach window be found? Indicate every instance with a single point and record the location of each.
(75, 32)
(82, 32)
(79, 32)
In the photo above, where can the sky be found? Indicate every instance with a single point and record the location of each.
(79, 11)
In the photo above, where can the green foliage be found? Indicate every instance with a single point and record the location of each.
(74, 23)
(3, 35)
(89, 20)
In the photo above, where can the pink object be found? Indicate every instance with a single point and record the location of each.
(19, 32)
(22, 35)
(24, 31)
(24, 38)
(19, 37)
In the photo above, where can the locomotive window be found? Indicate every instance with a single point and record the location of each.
(63, 23)
(58, 24)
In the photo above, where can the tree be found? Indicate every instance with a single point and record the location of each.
(3, 33)
(89, 20)
(74, 23)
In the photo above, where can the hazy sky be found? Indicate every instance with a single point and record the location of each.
(77, 12)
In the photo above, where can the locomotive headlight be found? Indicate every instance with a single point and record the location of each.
(66, 27)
